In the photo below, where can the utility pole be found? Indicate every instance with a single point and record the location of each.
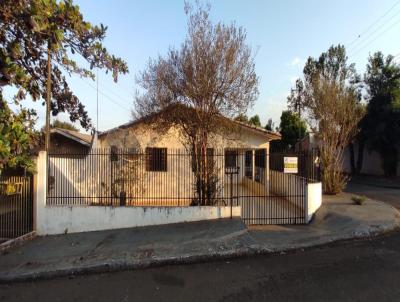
(48, 99)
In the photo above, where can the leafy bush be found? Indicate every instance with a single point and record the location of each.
(358, 200)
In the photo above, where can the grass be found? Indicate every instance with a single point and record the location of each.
(358, 200)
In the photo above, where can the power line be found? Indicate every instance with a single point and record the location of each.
(105, 95)
(96, 88)
(374, 39)
(374, 23)
(374, 31)
(117, 95)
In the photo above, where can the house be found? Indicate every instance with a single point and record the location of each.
(145, 166)
(73, 141)
(136, 175)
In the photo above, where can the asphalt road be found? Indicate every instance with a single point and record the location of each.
(367, 270)
(389, 195)
(350, 271)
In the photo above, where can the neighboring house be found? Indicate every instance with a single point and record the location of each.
(371, 165)
(73, 141)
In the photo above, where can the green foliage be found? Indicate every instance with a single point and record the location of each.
(17, 137)
(296, 99)
(255, 121)
(63, 125)
(28, 29)
(242, 118)
(330, 95)
(270, 125)
(358, 200)
(292, 128)
(381, 125)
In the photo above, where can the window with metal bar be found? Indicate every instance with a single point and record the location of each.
(156, 159)
(230, 158)
(249, 163)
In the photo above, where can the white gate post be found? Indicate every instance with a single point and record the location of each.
(40, 191)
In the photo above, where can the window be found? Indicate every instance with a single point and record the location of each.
(249, 164)
(260, 155)
(230, 158)
(156, 159)
(259, 162)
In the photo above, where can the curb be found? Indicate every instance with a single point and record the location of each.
(126, 265)
(123, 265)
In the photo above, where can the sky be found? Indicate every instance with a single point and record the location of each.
(283, 35)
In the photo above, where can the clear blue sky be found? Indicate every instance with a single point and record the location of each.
(284, 32)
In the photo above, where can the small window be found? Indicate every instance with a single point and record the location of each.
(249, 164)
(230, 158)
(260, 156)
(156, 159)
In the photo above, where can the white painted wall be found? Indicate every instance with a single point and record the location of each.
(314, 199)
(64, 219)
(287, 185)
(71, 219)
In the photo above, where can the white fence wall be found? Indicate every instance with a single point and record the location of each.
(288, 185)
(58, 219)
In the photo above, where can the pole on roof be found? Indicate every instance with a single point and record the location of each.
(97, 101)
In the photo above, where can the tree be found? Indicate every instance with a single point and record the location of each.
(255, 121)
(17, 137)
(270, 125)
(292, 129)
(381, 125)
(63, 125)
(242, 118)
(296, 99)
(31, 29)
(212, 74)
(331, 103)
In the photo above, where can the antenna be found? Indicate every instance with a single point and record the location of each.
(97, 100)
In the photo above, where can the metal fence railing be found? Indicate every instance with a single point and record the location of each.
(308, 163)
(16, 206)
(176, 177)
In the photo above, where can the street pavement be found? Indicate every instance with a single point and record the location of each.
(354, 270)
(125, 249)
(390, 195)
(367, 270)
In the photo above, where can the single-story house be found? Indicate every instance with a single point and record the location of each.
(70, 140)
(136, 175)
(152, 167)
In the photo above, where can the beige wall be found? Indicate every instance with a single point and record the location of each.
(142, 136)
(372, 162)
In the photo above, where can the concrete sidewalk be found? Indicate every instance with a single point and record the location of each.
(104, 251)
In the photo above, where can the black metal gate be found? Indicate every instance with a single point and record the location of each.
(246, 177)
(16, 206)
(266, 195)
